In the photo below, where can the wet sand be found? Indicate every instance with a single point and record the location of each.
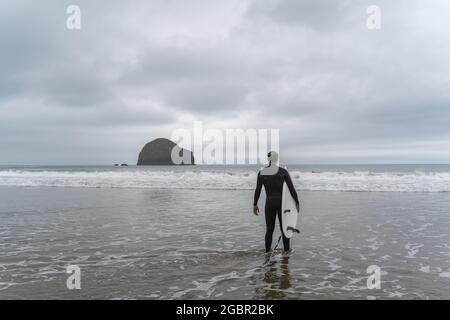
(206, 244)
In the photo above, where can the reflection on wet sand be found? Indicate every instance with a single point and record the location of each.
(276, 279)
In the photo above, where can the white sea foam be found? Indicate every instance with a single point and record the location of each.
(197, 179)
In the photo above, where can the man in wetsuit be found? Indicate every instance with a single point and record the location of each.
(272, 178)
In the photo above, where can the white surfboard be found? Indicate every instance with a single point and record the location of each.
(289, 213)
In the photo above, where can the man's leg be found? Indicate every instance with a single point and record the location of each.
(286, 241)
(271, 215)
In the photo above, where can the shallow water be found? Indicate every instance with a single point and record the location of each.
(197, 244)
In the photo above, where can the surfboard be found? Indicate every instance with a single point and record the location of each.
(289, 213)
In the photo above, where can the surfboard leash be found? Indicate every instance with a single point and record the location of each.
(278, 242)
(270, 257)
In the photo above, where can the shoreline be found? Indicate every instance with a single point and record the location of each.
(219, 189)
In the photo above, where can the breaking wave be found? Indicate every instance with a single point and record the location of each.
(416, 181)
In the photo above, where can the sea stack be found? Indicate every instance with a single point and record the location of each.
(159, 152)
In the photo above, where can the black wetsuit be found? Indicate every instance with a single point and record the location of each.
(273, 184)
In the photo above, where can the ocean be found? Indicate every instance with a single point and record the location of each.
(189, 233)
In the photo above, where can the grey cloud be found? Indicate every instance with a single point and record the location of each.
(319, 14)
(197, 80)
(310, 68)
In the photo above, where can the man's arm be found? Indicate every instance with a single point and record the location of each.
(291, 188)
(258, 189)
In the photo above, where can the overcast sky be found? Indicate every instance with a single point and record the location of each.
(138, 70)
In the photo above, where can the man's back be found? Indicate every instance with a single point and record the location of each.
(272, 180)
